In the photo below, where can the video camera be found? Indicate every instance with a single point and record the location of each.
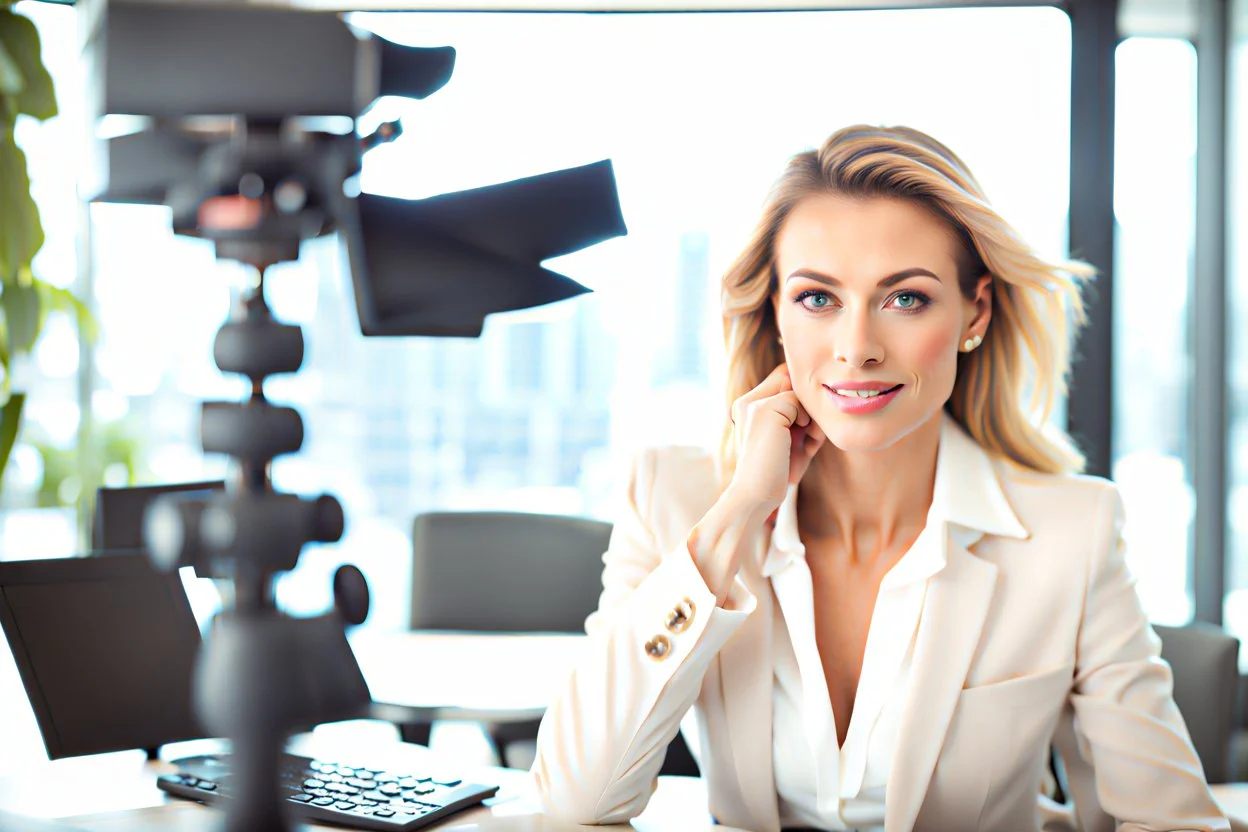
(248, 133)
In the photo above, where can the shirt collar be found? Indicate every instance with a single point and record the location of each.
(966, 496)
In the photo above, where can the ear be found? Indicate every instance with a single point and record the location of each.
(979, 308)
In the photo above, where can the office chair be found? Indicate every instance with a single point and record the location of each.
(510, 572)
(1205, 660)
(505, 571)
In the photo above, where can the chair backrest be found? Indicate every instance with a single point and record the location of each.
(505, 571)
(117, 525)
(1205, 660)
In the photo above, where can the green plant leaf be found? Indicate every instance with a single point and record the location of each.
(6, 383)
(10, 422)
(24, 313)
(20, 39)
(21, 233)
(11, 80)
(56, 299)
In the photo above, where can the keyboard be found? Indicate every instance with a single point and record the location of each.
(325, 792)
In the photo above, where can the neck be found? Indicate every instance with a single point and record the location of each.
(867, 504)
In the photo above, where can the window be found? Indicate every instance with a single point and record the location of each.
(1154, 209)
(698, 114)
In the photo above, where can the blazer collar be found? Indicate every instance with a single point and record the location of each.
(967, 495)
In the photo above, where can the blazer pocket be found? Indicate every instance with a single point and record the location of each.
(1000, 737)
(1019, 691)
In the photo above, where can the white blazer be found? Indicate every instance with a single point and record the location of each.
(1035, 615)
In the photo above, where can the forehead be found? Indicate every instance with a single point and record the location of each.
(862, 236)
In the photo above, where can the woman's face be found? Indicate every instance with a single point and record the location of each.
(871, 315)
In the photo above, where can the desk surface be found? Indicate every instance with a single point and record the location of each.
(117, 793)
(1233, 798)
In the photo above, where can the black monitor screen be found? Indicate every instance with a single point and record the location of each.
(105, 648)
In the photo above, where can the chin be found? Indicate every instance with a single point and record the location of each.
(867, 434)
(856, 434)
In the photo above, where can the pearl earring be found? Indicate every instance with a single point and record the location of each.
(971, 343)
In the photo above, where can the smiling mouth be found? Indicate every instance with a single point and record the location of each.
(864, 394)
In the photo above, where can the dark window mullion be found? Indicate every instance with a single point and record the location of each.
(1209, 418)
(1094, 39)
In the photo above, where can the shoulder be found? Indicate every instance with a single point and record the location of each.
(1049, 491)
(1074, 507)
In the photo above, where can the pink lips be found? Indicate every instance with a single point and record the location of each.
(858, 405)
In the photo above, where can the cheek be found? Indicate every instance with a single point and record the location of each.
(932, 354)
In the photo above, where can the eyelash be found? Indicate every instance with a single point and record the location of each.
(923, 300)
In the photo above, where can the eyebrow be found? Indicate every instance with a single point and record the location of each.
(891, 280)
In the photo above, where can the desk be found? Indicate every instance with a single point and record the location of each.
(1233, 798)
(117, 793)
(483, 677)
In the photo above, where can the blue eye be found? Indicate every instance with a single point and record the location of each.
(910, 301)
(813, 299)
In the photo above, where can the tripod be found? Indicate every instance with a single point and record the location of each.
(261, 674)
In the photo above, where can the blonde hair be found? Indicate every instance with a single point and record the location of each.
(1037, 305)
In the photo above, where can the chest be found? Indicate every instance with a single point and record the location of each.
(844, 603)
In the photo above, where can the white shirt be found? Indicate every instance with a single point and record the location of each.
(819, 783)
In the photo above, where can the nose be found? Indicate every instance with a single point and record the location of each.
(857, 343)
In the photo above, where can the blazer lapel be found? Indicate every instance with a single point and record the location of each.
(747, 691)
(958, 599)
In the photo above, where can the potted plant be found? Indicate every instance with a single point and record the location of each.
(25, 301)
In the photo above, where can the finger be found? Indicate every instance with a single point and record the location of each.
(777, 381)
(785, 404)
(813, 441)
(803, 418)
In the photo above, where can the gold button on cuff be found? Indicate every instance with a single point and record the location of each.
(681, 616)
(659, 647)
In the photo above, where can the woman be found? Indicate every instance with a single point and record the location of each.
(884, 593)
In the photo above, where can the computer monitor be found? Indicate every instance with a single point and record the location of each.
(117, 525)
(105, 648)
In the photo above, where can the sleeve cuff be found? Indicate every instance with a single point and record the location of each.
(677, 581)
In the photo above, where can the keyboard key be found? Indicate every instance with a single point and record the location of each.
(448, 783)
(301, 798)
(384, 813)
(324, 801)
(341, 788)
(313, 784)
(391, 789)
(344, 805)
(207, 785)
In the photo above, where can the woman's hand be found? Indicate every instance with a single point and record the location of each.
(776, 441)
